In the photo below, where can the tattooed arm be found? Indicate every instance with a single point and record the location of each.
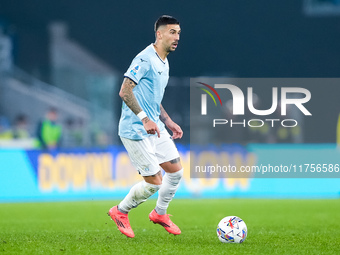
(176, 130)
(130, 100)
(164, 117)
(128, 97)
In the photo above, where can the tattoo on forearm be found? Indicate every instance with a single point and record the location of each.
(163, 119)
(164, 115)
(128, 96)
(174, 161)
(145, 120)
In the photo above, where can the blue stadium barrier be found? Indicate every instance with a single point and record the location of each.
(108, 174)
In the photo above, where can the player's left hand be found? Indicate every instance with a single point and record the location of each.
(176, 130)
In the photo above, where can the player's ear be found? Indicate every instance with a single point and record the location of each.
(159, 34)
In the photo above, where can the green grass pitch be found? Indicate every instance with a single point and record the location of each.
(274, 227)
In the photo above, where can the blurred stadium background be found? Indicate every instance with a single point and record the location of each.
(71, 55)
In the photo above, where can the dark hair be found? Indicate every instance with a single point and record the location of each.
(165, 20)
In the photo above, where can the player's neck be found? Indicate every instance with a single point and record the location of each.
(160, 51)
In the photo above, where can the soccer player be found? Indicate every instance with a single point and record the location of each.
(142, 130)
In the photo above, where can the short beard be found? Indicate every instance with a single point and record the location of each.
(169, 50)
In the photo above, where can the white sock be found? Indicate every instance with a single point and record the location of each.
(167, 191)
(138, 194)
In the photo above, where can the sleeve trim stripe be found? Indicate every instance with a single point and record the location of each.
(125, 76)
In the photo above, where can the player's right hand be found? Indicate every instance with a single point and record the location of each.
(150, 127)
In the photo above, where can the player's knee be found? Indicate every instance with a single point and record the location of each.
(155, 179)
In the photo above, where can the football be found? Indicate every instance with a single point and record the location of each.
(232, 229)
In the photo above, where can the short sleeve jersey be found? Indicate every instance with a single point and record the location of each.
(151, 74)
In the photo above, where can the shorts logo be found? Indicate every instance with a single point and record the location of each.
(135, 70)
